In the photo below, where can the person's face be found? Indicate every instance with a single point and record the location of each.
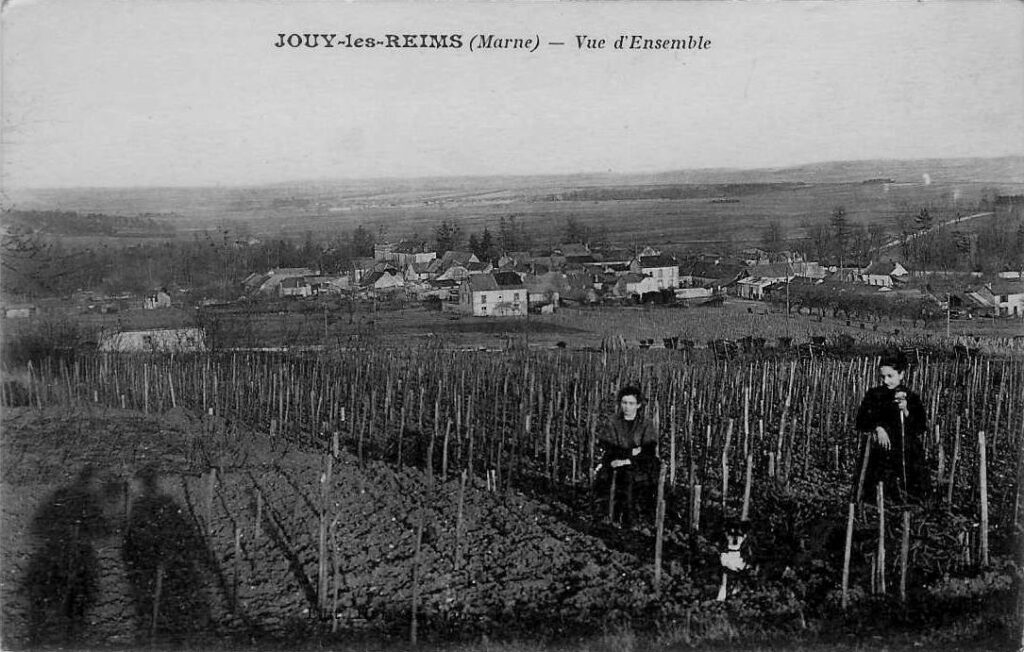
(629, 406)
(890, 377)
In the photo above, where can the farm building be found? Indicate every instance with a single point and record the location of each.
(159, 299)
(694, 293)
(500, 294)
(296, 286)
(162, 340)
(883, 274)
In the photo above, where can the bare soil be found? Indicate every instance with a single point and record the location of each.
(125, 530)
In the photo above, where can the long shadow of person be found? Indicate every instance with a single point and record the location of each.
(62, 578)
(164, 555)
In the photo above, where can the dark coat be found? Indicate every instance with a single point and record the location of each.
(619, 437)
(635, 482)
(901, 468)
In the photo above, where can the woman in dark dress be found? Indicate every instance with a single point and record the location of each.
(630, 457)
(894, 419)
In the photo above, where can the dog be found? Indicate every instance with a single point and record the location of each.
(735, 555)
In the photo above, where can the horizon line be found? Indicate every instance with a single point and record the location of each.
(546, 175)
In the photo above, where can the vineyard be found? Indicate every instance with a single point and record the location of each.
(441, 495)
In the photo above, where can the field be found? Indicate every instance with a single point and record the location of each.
(374, 496)
(331, 324)
(687, 209)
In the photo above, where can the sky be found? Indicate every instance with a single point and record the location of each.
(148, 93)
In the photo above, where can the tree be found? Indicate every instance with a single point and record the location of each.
(362, 242)
(773, 236)
(512, 236)
(840, 226)
(876, 236)
(575, 231)
(923, 220)
(474, 245)
(448, 236)
(488, 246)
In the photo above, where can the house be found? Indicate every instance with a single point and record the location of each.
(753, 287)
(775, 272)
(663, 269)
(545, 288)
(684, 294)
(712, 274)
(383, 280)
(415, 272)
(883, 274)
(157, 340)
(571, 249)
(403, 253)
(269, 282)
(295, 286)
(1008, 296)
(812, 270)
(633, 284)
(497, 294)
(159, 299)
(20, 311)
(363, 266)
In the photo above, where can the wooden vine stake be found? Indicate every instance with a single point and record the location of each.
(904, 556)
(414, 619)
(745, 514)
(846, 554)
(695, 509)
(983, 488)
(325, 494)
(725, 465)
(952, 463)
(157, 590)
(881, 537)
(660, 529)
(458, 519)
(211, 488)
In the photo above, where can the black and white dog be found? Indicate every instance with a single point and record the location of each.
(735, 555)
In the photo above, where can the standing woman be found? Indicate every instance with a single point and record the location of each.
(630, 458)
(894, 419)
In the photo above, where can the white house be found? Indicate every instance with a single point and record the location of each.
(500, 294)
(663, 269)
(157, 340)
(1009, 297)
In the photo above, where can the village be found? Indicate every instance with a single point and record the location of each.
(574, 274)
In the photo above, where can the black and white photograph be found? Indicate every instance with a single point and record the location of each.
(512, 326)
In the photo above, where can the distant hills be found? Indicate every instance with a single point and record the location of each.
(1005, 169)
(212, 203)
